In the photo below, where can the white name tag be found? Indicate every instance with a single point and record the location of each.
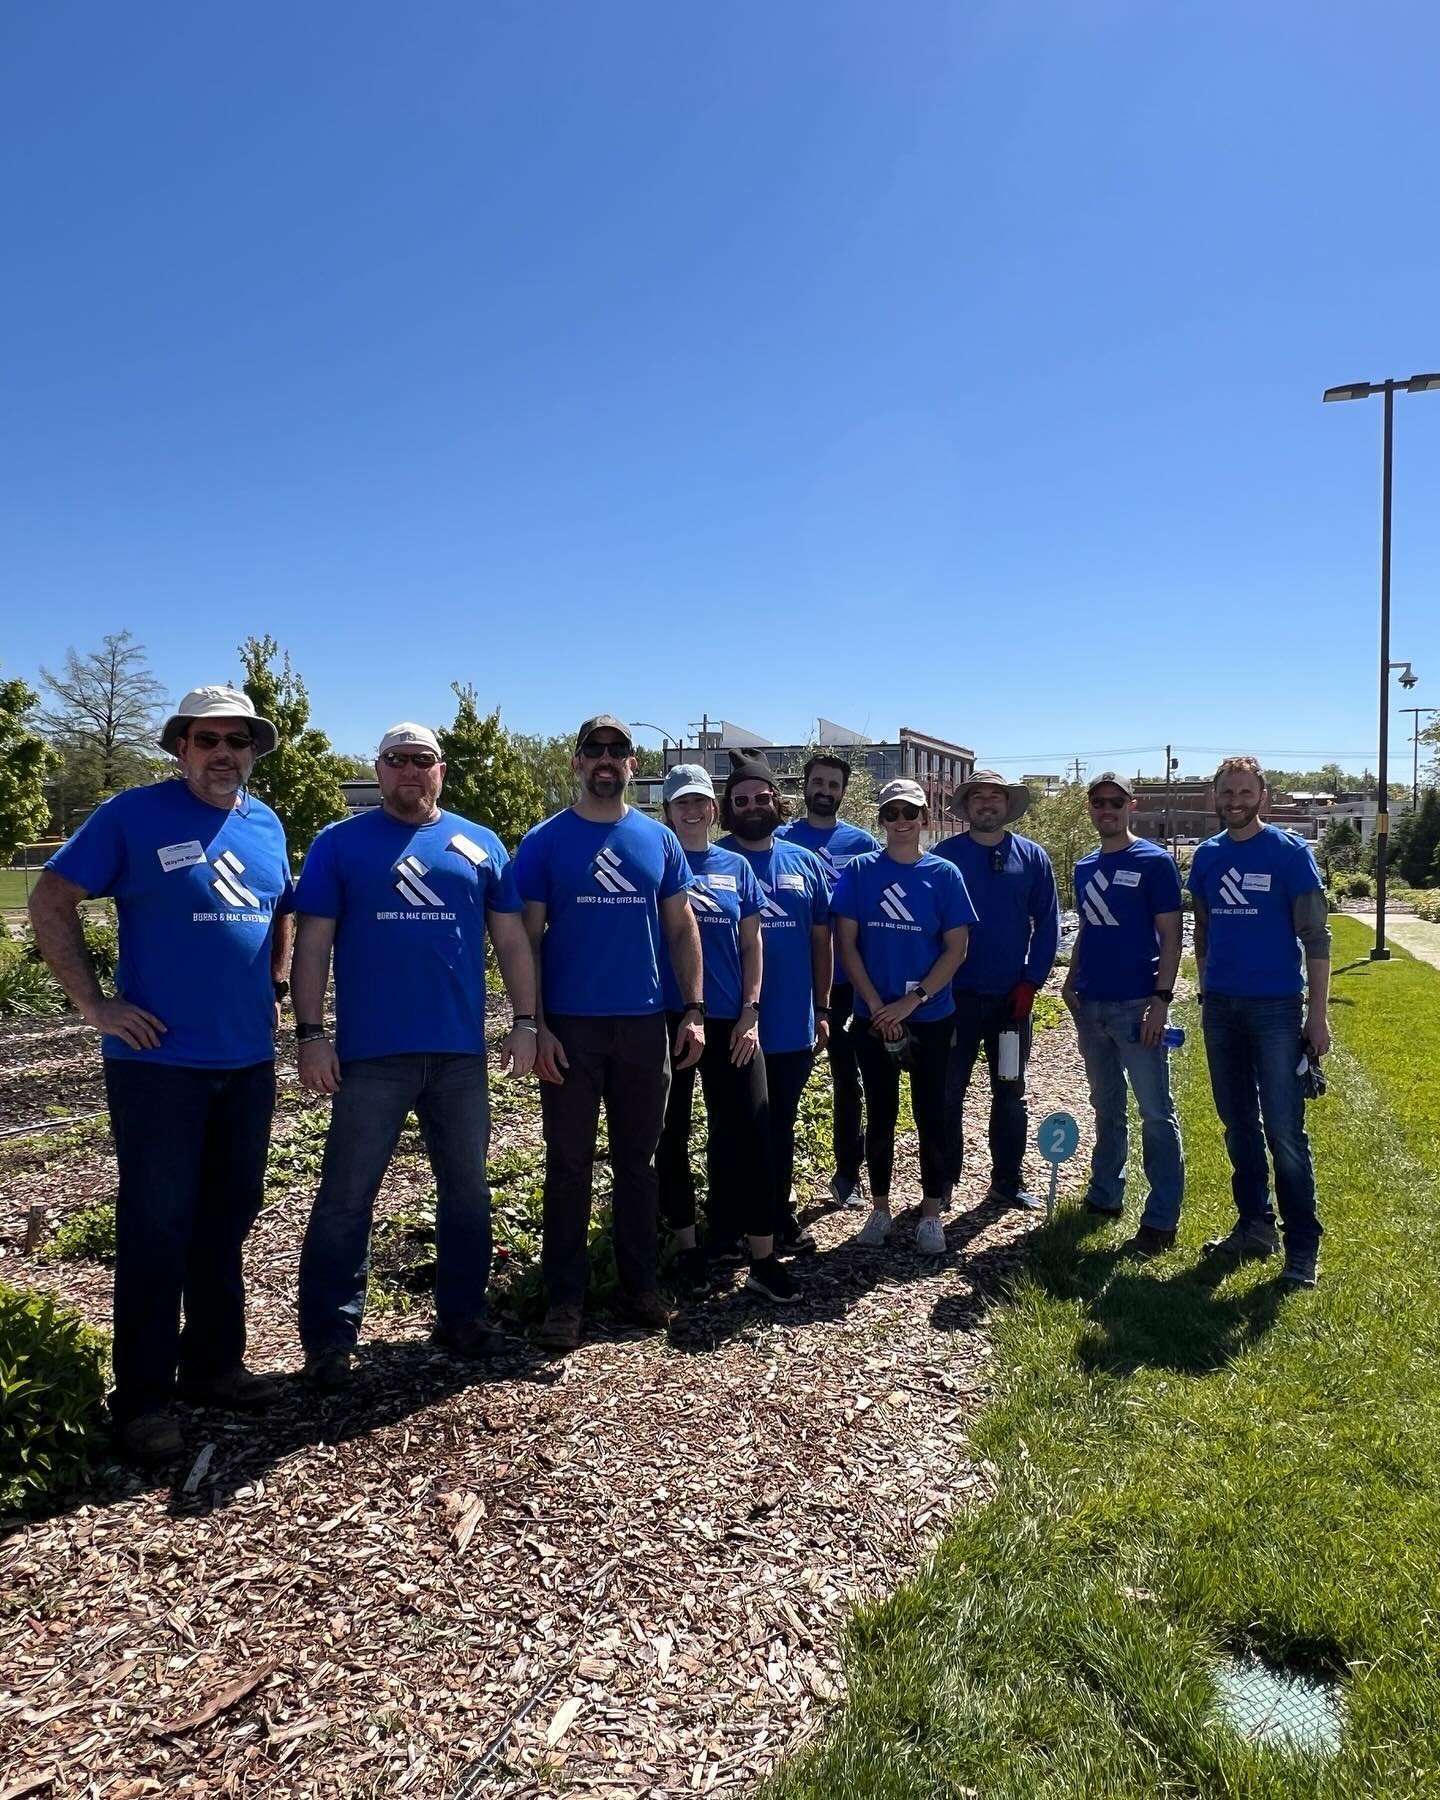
(466, 847)
(1260, 883)
(797, 882)
(1126, 878)
(181, 856)
(720, 881)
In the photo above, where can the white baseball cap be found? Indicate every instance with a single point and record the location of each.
(218, 702)
(687, 778)
(909, 793)
(420, 737)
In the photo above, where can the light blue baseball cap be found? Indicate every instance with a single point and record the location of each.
(687, 778)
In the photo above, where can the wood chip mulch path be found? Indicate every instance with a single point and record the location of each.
(623, 1574)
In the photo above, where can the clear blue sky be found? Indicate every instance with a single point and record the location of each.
(941, 364)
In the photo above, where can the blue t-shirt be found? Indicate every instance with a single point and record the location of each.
(409, 905)
(903, 911)
(1249, 886)
(1012, 886)
(794, 898)
(723, 893)
(1119, 894)
(837, 846)
(601, 883)
(197, 889)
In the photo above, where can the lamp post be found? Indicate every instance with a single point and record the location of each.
(1362, 390)
(668, 736)
(1415, 761)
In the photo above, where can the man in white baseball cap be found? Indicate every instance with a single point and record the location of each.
(198, 871)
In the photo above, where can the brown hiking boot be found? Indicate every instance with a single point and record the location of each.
(647, 1310)
(561, 1328)
(329, 1370)
(1148, 1241)
(240, 1389)
(477, 1339)
(153, 1437)
(1249, 1242)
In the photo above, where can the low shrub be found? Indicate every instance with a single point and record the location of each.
(27, 988)
(1355, 887)
(52, 1398)
(1427, 904)
(88, 1235)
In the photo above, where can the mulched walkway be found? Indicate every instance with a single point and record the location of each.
(623, 1574)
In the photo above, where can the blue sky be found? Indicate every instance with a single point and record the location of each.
(948, 365)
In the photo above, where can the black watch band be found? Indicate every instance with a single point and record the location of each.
(307, 1034)
(696, 1006)
(282, 988)
(1165, 994)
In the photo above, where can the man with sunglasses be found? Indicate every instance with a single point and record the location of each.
(1119, 988)
(1012, 951)
(837, 844)
(403, 898)
(605, 895)
(198, 871)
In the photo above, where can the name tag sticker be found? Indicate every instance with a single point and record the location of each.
(797, 882)
(1260, 883)
(1126, 878)
(468, 848)
(720, 881)
(181, 856)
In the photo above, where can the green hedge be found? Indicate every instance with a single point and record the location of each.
(52, 1399)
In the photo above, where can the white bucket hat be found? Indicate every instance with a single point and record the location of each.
(218, 703)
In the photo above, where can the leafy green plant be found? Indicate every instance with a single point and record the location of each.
(52, 1396)
(27, 989)
(88, 1235)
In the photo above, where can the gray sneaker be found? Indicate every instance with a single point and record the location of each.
(1300, 1266)
(1247, 1240)
(846, 1193)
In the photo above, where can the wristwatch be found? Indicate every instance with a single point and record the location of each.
(919, 989)
(696, 1006)
(282, 988)
(307, 1034)
(1165, 994)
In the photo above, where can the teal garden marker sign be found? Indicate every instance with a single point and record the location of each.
(1057, 1140)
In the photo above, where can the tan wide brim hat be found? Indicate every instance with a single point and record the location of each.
(218, 703)
(1017, 795)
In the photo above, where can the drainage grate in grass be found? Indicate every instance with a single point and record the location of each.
(1279, 1706)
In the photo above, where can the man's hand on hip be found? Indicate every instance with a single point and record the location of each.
(134, 1026)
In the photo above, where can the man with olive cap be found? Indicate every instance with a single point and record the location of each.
(404, 897)
(1012, 951)
(198, 872)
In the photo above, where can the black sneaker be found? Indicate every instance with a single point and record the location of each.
(1097, 1211)
(773, 1280)
(1148, 1241)
(796, 1238)
(1301, 1268)
(692, 1266)
(1022, 1197)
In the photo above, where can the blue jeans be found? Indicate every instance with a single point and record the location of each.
(1103, 1028)
(1252, 1047)
(191, 1147)
(450, 1094)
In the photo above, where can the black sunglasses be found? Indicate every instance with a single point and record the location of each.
(595, 748)
(1102, 804)
(900, 810)
(212, 740)
(420, 759)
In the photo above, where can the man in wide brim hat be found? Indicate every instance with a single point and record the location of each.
(215, 703)
(1017, 795)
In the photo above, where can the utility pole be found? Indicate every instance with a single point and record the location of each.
(1415, 760)
(1078, 770)
(1169, 813)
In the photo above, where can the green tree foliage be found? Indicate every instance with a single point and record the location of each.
(489, 775)
(25, 761)
(549, 762)
(1339, 848)
(858, 806)
(648, 760)
(301, 777)
(1414, 858)
(102, 716)
(1060, 823)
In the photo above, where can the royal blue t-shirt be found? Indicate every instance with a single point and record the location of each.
(1012, 886)
(837, 846)
(795, 897)
(903, 911)
(1249, 885)
(724, 892)
(1119, 893)
(601, 883)
(409, 905)
(197, 889)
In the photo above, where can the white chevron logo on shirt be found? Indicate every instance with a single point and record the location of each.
(410, 875)
(1230, 888)
(1093, 904)
(770, 908)
(892, 904)
(607, 872)
(703, 900)
(228, 885)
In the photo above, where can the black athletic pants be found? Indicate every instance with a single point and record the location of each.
(737, 1156)
(786, 1072)
(849, 1131)
(880, 1071)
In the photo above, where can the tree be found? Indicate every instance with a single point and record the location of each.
(1060, 823)
(489, 776)
(1414, 858)
(548, 760)
(103, 718)
(301, 776)
(648, 760)
(25, 761)
(1339, 848)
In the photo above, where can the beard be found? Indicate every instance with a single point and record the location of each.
(1247, 815)
(754, 824)
(824, 804)
(603, 784)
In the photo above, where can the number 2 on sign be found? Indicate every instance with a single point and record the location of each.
(1057, 1141)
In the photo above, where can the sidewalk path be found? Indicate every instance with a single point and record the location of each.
(1418, 936)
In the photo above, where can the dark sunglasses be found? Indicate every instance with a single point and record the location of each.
(900, 810)
(1102, 804)
(743, 803)
(418, 759)
(212, 740)
(595, 748)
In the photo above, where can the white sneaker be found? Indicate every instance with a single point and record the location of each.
(846, 1193)
(875, 1232)
(930, 1237)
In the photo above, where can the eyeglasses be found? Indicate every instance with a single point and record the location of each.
(997, 860)
(1105, 803)
(418, 759)
(595, 748)
(889, 814)
(212, 740)
(743, 803)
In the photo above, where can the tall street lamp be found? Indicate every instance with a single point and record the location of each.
(1362, 390)
(668, 736)
(1415, 743)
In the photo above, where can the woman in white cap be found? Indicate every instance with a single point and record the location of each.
(903, 921)
(727, 904)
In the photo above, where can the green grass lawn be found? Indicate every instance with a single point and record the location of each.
(13, 888)
(1192, 1462)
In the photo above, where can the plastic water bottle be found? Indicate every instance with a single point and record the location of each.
(1171, 1038)
(1009, 1059)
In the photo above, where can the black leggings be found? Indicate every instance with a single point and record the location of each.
(737, 1155)
(786, 1072)
(880, 1072)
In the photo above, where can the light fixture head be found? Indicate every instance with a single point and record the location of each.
(1420, 384)
(1355, 390)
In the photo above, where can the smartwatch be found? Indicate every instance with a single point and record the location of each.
(282, 988)
(1165, 994)
(695, 1006)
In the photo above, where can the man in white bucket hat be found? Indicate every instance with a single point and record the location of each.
(198, 871)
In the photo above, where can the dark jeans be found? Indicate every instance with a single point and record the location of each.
(849, 1131)
(929, 1058)
(450, 1096)
(1252, 1047)
(1112, 1058)
(737, 1111)
(191, 1147)
(786, 1072)
(624, 1063)
(979, 1019)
